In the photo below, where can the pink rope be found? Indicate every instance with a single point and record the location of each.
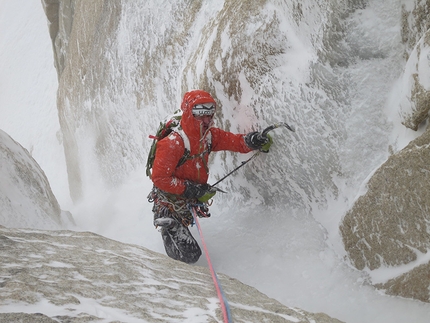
(224, 305)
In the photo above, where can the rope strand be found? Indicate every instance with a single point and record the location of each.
(224, 304)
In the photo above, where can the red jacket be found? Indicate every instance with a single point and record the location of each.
(166, 174)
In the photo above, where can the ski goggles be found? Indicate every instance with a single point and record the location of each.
(205, 109)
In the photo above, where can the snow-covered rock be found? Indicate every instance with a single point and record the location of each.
(413, 284)
(26, 199)
(389, 223)
(387, 227)
(415, 104)
(64, 276)
(414, 22)
(60, 22)
(326, 67)
(124, 66)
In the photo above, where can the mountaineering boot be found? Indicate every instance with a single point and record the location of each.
(180, 244)
(164, 222)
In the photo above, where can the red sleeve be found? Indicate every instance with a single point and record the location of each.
(167, 155)
(224, 140)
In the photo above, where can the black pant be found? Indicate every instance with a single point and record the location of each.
(180, 244)
(172, 215)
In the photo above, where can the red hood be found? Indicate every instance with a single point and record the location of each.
(189, 124)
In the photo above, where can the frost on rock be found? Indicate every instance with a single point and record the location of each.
(413, 284)
(389, 224)
(129, 63)
(415, 104)
(324, 66)
(26, 199)
(86, 277)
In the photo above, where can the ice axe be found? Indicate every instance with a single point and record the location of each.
(277, 125)
(263, 134)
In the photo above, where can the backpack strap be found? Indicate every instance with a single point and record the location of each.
(187, 145)
(184, 137)
(209, 142)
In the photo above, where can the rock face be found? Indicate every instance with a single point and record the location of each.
(415, 105)
(26, 199)
(123, 66)
(60, 21)
(81, 36)
(391, 221)
(86, 277)
(414, 284)
(389, 224)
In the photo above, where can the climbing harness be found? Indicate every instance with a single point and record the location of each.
(225, 308)
(173, 206)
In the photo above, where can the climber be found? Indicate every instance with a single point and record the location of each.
(180, 176)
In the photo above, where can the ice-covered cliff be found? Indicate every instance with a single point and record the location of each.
(317, 65)
(124, 66)
(339, 204)
(65, 276)
(26, 198)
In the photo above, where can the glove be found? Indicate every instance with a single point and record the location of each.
(256, 140)
(201, 192)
